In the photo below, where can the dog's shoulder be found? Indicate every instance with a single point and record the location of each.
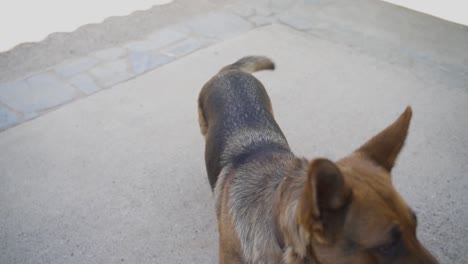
(248, 190)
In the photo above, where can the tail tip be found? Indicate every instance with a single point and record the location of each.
(273, 66)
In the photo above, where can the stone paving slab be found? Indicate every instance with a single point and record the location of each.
(36, 94)
(385, 31)
(7, 118)
(156, 41)
(356, 55)
(218, 25)
(143, 62)
(72, 68)
(28, 58)
(84, 83)
(119, 176)
(112, 73)
(186, 47)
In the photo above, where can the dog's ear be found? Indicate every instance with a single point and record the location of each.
(322, 199)
(385, 146)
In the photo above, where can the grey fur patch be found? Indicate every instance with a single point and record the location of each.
(219, 189)
(251, 195)
(245, 137)
(251, 204)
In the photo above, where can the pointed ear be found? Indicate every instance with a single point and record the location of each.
(385, 146)
(324, 194)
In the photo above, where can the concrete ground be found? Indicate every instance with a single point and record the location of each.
(118, 176)
(114, 31)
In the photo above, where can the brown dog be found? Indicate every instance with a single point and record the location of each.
(274, 207)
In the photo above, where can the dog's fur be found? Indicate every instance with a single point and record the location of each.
(274, 207)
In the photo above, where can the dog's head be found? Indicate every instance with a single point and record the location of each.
(350, 212)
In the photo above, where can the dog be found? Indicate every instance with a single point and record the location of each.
(275, 207)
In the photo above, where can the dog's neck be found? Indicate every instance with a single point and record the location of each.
(292, 238)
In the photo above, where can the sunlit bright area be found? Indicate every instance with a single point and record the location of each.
(32, 20)
(451, 10)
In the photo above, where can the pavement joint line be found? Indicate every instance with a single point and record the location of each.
(73, 83)
(191, 34)
(425, 64)
(100, 66)
(65, 80)
(17, 113)
(8, 118)
(95, 80)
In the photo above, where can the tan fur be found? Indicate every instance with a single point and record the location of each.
(202, 122)
(251, 64)
(229, 244)
(274, 207)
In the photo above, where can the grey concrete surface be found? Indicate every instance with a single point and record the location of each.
(114, 31)
(119, 176)
(391, 33)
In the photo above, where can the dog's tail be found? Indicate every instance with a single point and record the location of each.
(251, 64)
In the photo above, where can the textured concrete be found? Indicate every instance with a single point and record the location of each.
(38, 93)
(155, 41)
(7, 118)
(391, 33)
(142, 62)
(218, 25)
(69, 69)
(108, 67)
(185, 47)
(111, 73)
(114, 31)
(84, 83)
(110, 54)
(119, 176)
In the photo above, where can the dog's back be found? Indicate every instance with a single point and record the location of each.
(236, 116)
(246, 157)
(274, 207)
